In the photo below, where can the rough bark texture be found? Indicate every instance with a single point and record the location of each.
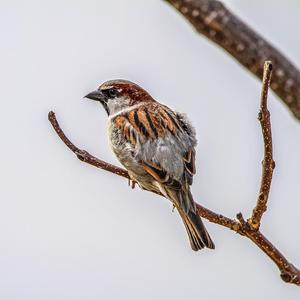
(268, 164)
(212, 19)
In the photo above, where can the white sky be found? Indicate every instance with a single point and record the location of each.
(70, 231)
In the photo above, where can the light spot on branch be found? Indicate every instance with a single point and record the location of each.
(195, 13)
(289, 83)
(184, 10)
(280, 73)
(210, 17)
(240, 47)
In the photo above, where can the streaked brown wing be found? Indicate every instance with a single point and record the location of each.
(153, 121)
(150, 122)
(189, 166)
(189, 162)
(125, 128)
(161, 176)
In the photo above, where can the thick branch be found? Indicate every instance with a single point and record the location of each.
(212, 19)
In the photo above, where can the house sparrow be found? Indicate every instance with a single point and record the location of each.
(157, 147)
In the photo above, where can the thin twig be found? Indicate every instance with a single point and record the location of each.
(212, 19)
(82, 154)
(268, 163)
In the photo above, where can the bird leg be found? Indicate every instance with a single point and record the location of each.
(131, 182)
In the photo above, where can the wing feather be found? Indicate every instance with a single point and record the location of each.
(157, 128)
(161, 176)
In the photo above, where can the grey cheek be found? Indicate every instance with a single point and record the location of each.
(110, 105)
(115, 105)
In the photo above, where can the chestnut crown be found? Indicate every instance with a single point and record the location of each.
(116, 95)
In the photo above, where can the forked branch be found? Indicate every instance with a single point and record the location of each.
(250, 228)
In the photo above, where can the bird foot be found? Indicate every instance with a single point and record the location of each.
(132, 183)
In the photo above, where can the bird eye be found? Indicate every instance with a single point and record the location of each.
(112, 93)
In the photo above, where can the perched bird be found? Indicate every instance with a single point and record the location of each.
(157, 147)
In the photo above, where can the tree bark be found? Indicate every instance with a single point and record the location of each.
(212, 19)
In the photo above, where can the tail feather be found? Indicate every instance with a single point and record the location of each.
(198, 235)
(200, 231)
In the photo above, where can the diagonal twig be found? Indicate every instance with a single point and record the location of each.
(84, 155)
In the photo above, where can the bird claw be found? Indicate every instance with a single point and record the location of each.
(173, 208)
(131, 183)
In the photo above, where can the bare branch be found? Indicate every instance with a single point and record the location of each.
(82, 154)
(288, 272)
(268, 163)
(212, 19)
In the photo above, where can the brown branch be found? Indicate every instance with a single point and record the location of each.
(250, 229)
(212, 19)
(288, 272)
(82, 154)
(268, 163)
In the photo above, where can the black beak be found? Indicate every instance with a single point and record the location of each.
(96, 95)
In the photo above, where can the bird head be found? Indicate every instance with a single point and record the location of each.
(116, 95)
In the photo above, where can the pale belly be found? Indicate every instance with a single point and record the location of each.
(126, 154)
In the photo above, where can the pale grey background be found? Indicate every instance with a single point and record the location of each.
(70, 231)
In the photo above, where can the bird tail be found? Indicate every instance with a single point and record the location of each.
(198, 235)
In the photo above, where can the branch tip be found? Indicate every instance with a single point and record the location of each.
(268, 65)
(268, 163)
(51, 115)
